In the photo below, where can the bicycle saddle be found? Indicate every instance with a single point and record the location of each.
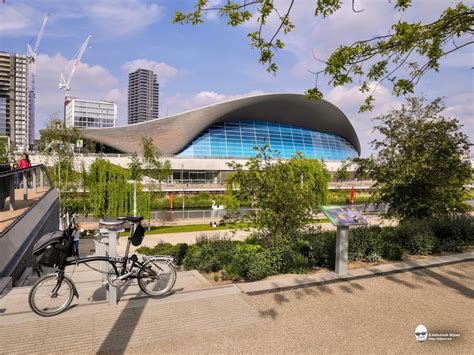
(131, 219)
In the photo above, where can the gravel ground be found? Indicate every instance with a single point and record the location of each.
(370, 316)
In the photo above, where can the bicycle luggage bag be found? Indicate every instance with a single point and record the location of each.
(50, 257)
(53, 248)
(46, 240)
(138, 236)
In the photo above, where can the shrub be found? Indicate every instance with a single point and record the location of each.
(209, 254)
(261, 266)
(318, 248)
(453, 233)
(366, 243)
(422, 243)
(178, 251)
(239, 265)
(392, 251)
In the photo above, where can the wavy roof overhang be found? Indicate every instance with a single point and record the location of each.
(171, 134)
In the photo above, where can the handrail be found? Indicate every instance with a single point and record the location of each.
(17, 170)
(35, 179)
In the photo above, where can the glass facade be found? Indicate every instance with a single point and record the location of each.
(236, 139)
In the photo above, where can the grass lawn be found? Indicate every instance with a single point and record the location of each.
(198, 228)
(184, 228)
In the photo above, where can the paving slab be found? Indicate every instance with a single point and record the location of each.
(300, 281)
(116, 328)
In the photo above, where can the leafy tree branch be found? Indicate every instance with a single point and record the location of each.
(402, 57)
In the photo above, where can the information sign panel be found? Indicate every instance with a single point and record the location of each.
(344, 215)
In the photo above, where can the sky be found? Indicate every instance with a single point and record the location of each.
(212, 62)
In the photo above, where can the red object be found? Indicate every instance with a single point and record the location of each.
(22, 164)
(352, 195)
(171, 200)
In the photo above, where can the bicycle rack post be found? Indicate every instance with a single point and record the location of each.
(108, 247)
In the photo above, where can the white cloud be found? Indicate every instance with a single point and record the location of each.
(122, 17)
(350, 99)
(180, 103)
(162, 70)
(17, 20)
(462, 108)
(213, 14)
(89, 82)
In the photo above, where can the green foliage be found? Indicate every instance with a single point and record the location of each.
(285, 193)
(422, 243)
(110, 193)
(153, 166)
(340, 197)
(401, 57)
(342, 173)
(135, 166)
(253, 260)
(209, 254)
(261, 266)
(239, 266)
(452, 233)
(366, 243)
(179, 251)
(419, 168)
(7, 152)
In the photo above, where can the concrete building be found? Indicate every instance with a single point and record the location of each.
(200, 143)
(143, 96)
(3, 116)
(90, 114)
(14, 91)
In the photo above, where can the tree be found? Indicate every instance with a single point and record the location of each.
(414, 47)
(57, 144)
(109, 190)
(283, 192)
(342, 173)
(420, 167)
(7, 151)
(154, 167)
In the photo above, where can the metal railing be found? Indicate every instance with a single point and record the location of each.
(22, 185)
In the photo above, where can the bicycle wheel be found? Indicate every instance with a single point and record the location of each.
(46, 299)
(157, 277)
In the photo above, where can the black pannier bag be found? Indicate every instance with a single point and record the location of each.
(53, 248)
(138, 235)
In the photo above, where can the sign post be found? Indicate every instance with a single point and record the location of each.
(343, 217)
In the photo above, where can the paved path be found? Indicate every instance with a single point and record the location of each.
(365, 315)
(368, 316)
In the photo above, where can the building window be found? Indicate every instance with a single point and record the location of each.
(237, 139)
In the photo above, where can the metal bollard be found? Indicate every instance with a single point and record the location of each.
(108, 247)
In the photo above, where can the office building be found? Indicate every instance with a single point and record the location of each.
(143, 96)
(14, 91)
(90, 114)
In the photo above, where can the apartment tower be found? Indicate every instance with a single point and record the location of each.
(14, 110)
(143, 96)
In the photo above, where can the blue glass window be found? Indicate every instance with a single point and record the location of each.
(236, 139)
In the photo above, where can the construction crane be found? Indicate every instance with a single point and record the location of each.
(65, 84)
(31, 55)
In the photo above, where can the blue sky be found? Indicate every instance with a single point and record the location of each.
(209, 63)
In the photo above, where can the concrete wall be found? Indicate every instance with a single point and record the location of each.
(17, 241)
(176, 163)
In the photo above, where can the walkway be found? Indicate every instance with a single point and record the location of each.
(368, 315)
(7, 217)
